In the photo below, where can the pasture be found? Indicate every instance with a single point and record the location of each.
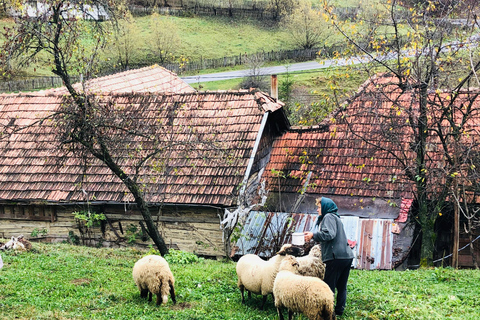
(61, 281)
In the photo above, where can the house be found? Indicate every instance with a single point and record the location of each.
(32, 9)
(147, 79)
(42, 185)
(373, 192)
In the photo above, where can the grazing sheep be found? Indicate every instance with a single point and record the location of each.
(308, 295)
(15, 244)
(152, 275)
(312, 264)
(257, 275)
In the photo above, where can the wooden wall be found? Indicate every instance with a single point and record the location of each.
(192, 229)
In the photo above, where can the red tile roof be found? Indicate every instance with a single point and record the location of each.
(344, 164)
(148, 79)
(32, 168)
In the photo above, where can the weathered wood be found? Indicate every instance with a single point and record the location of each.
(163, 218)
(189, 229)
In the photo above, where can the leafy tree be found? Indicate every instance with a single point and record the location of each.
(58, 33)
(125, 42)
(307, 27)
(434, 65)
(165, 40)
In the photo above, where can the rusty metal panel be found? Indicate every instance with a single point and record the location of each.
(351, 227)
(265, 230)
(375, 244)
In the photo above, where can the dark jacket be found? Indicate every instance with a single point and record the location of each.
(331, 234)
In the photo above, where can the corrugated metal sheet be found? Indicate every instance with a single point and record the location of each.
(374, 244)
(266, 230)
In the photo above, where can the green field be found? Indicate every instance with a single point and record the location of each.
(62, 281)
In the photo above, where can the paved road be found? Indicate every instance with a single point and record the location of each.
(312, 65)
(309, 65)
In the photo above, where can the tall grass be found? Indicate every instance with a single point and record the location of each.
(61, 281)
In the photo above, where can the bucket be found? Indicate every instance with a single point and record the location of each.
(298, 239)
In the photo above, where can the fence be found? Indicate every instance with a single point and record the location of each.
(299, 55)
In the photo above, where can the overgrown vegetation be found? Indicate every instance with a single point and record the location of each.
(62, 281)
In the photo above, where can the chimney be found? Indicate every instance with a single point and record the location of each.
(274, 87)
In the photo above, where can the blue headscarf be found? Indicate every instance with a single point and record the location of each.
(328, 206)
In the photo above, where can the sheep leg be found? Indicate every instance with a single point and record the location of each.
(172, 293)
(242, 289)
(290, 314)
(280, 313)
(149, 296)
(159, 298)
(143, 293)
(264, 300)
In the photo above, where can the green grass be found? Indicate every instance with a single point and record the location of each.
(70, 282)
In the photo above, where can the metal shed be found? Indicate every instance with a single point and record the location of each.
(266, 230)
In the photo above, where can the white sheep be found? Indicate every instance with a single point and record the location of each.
(312, 264)
(152, 275)
(257, 275)
(308, 295)
(18, 244)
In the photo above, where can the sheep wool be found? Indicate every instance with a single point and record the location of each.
(15, 244)
(152, 275)
(308, 295)
(257, 275)
(312, 264)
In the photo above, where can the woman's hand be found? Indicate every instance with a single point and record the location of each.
(308, 236)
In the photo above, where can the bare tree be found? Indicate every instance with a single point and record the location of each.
(58, 32)
(434, 65)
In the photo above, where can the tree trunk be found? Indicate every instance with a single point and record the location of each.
(137, 194)
(427, 224)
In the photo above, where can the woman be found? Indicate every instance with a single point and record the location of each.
(336, 253)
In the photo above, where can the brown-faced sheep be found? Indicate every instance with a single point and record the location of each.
(312, 264)
(257, 275)
(152, 275)
(308, 295)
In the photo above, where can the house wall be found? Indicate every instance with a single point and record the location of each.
(192, 229)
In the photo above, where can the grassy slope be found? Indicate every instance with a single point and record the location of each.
(70, 282)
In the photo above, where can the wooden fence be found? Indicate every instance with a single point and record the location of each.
(39, 83)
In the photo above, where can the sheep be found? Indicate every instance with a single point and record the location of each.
(308, 295)
(257, 275)
(25, 242)
(152, 275)
(15, 243)
(312, 264)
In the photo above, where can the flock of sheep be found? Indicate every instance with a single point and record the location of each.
(296, 283)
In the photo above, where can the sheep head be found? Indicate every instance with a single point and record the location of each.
(290, 249)
(289, 263)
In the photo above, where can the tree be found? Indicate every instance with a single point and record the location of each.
(255, 77)
(125, 41)
(307, 27)
(165, 40)
(280, 8)
(435, 65)
(59, 32)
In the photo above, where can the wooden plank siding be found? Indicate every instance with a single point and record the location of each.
(191, 229)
